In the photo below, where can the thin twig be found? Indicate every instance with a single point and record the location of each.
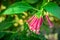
(36, 9)
(8, 31)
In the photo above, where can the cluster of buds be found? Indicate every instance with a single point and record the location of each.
(35, 23)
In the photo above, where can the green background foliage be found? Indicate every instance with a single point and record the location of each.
(13, 25)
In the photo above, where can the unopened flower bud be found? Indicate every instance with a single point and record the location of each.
(49, 22)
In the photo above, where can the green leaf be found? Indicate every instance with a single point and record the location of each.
(5, 25)
(25, 26)
(32, 1)
(53, 8)
(1, 34)
(13, 36)
(17, 7)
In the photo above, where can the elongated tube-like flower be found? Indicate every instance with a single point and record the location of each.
(40, 21)
(32, 24)
(31, 21)
(35, 25)
(49, 22)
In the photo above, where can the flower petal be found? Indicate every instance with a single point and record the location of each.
(33, 21)
(40, 21)
(35, 25)
(30, 19)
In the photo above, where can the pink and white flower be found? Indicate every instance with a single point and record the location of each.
(35, 23)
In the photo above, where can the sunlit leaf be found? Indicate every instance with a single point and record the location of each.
(53, 8)
(18, 7)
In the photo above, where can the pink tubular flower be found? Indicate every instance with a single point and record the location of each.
(31, 24)
(40, 21)
(34, 24)
(31, 21)
(49, 22)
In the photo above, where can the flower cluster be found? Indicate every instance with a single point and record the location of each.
(35, 23)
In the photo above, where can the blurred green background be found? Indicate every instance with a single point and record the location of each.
(13, 18)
